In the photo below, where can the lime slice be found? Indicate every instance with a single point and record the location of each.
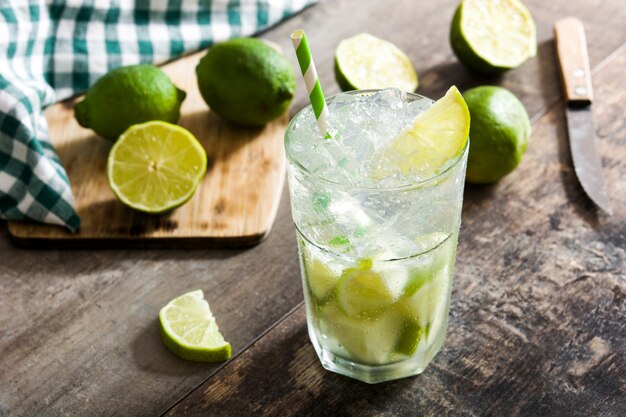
(436, 137)
(440, 255)
(491, 37)
(155, 166)
(366, 62)
(189, 330)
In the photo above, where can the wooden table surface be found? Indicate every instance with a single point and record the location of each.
(538, 315)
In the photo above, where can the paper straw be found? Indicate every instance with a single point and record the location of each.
(312, 82)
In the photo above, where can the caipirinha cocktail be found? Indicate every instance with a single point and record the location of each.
(377, 210)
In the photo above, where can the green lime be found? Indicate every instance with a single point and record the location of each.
(127, 96)
(366, 62)
(372, 341)
(491, 37)
(155, 166)
(189, 330)
(499, 133)
(321, 278)
(411, 334)
(369, 289)
(246, 81)
(435, 137)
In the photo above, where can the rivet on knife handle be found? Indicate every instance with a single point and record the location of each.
(571, 46)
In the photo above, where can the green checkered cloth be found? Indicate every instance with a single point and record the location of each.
(53, 49)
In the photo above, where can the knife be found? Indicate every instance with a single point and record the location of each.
(571, 47)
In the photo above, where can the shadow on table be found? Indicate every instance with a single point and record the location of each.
(477, 195)
(576, 196)
(149, 354)
(435, 81)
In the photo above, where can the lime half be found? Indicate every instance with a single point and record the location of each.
(366, 62)
(491, 37)
(189, 330)
(435, 137)
(156, 166)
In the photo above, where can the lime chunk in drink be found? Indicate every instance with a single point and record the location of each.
(321, 277)
(367, 290)
(371, 341)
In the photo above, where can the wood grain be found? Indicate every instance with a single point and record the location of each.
(77, 328)
(538, 314)
(235, 204)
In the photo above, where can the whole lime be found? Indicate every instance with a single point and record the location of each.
(127, 96)
(246, 81)
(499, 133)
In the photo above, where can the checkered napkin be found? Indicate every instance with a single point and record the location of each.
(54, 49)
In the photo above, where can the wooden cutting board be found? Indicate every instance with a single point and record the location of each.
(235, 204)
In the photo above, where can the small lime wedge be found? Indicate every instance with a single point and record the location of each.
(436, 137)
(367, 62)
(491, 37)
(189, 330)
(156, 166)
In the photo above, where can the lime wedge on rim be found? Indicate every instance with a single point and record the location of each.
(491, 37)
(366, 62)
(435, 137)
(189, 330)
(156, 166)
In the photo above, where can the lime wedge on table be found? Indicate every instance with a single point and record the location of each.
(491, 37)
(435, 137)
(366, 62)
(189, 330)
(155, 166)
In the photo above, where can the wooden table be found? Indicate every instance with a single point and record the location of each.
(538, 315)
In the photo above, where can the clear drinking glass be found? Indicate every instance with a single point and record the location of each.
(377, 264)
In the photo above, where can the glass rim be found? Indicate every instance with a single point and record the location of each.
(415, 185)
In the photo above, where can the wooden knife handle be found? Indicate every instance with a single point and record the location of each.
(571, 46)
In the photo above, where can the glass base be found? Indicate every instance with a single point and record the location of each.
(372, 374)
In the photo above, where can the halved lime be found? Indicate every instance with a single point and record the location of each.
(189, 330)
(491, 37)
(155, 166)
(436, 137)
(367, 62)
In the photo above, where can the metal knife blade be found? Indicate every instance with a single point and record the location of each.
(587, 162)
(576, 75)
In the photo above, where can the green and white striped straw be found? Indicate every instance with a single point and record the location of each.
(312, 82)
